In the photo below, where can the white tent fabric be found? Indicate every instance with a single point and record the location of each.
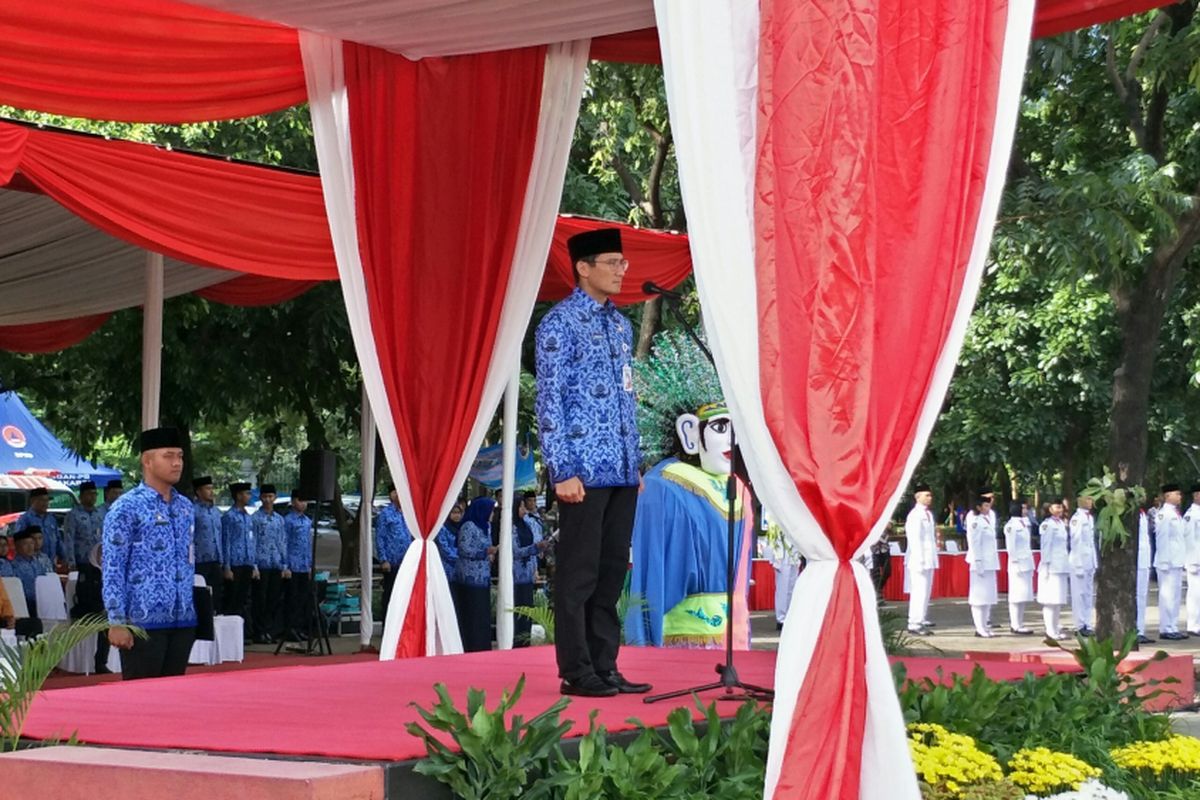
(55, 266)
(562, 88)
(709, 61)
(419, 28)
(366, 539)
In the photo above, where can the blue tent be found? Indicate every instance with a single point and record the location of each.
(27, 447)
(488, 467)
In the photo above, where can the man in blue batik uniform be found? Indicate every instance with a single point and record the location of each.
(147, 565)
(297, 572)
(28, 565)
(81, 530)
(209, 559)
(270, 547)
(588, 428)
(241, 564)
(112, 491)
(392, 539)
(38, 514)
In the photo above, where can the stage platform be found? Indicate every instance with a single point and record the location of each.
(357, 711)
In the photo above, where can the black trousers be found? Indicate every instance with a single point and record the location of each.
(475, 618)
(214, 576)
(164, 653)
(389, 580)
(297, 590)
(593, 560)
(522, 625)
(267, 602)
(237, 599)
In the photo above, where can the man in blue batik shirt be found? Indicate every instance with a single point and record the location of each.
(297, 572)
(112, 491)
(38, 514)
(209, 559)
(392, 539)
(147, 565)
(270, 548)
(588, 428)
(28, 565)
(241, 562)
(81, 531)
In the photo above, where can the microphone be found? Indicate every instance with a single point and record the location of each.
(650, 287)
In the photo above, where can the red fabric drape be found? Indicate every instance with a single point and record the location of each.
(663, 258)
(1059, 16)
(49, 337)
(145, 61)
(255, 290)
(204, 211)
(875, 128)
(442, 152)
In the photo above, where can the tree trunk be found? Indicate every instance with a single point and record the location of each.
(648, 326)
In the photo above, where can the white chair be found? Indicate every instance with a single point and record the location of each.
(894, 549)
(198, 580)
(51, 601)
(952, 546)
(227, 638)
(16, 593)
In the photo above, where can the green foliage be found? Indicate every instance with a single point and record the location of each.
(503, 757)
(542, 612)
(25, 667)
(1085, 716)
(1117, 505)
(676, 379)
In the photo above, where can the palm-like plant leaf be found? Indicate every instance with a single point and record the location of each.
(25, 667)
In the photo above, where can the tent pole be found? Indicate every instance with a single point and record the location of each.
(504, 603)
(366, 545)
(152, 339)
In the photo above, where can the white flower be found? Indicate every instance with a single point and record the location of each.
(1089, 790)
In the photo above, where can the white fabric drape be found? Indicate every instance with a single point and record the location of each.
(419, 28)
(152, 340)
(561, 90)
(366, 539)
(709, 62)
(504, 567)
(54, 266)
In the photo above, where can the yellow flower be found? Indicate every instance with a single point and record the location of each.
(1175, 755)
(1040, 770)
(950, 761)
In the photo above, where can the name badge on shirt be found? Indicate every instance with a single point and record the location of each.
(627, 378)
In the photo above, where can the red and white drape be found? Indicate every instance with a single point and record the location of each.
(442, 212)
(840, 219)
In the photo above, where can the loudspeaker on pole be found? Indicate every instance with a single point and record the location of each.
(318, 474)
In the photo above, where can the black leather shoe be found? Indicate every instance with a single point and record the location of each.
(1172, 637)
(1144, 639)
(588, 686)
(618, 682)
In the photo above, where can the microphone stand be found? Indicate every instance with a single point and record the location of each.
(734, 688)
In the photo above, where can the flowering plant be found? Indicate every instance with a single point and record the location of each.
(950, 761)
(1088, 790)
(1040, 770)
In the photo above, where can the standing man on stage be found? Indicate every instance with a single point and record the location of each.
(1084, 562)
(588, 427)
(241, 563)
(1192, 561)
(920, 559)
(147, 564)
(112, 491)
(209, 558)
(81, 531)
(1170, 556)
(392, 539)
(297, 570)
(1143, 574)
(270, 549)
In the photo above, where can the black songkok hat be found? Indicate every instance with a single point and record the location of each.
(204, 480)
(87, 486)
(922, 487)
(529, 493)
(40, 491)
(391, 488)
(27, 533)
(234, 488)
(157, 438)
(266, 488)
(1195, 488)
(1171, 487)
(985, 490)
(296, 494)
(115, 483)
(593, 243)
(982, 499)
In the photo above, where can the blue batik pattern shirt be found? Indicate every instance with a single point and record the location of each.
(6, 570)
(237, 539)
(81, 532)
(391, 536)
(208, 533)
(586, 407)
(299, 541)
(28, 570)
(447, 545)
(148, 569)
(525, 558)
(270, 539)
(473, 568)
(52, 544)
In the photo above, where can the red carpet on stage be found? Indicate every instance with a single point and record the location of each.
(359, 710)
